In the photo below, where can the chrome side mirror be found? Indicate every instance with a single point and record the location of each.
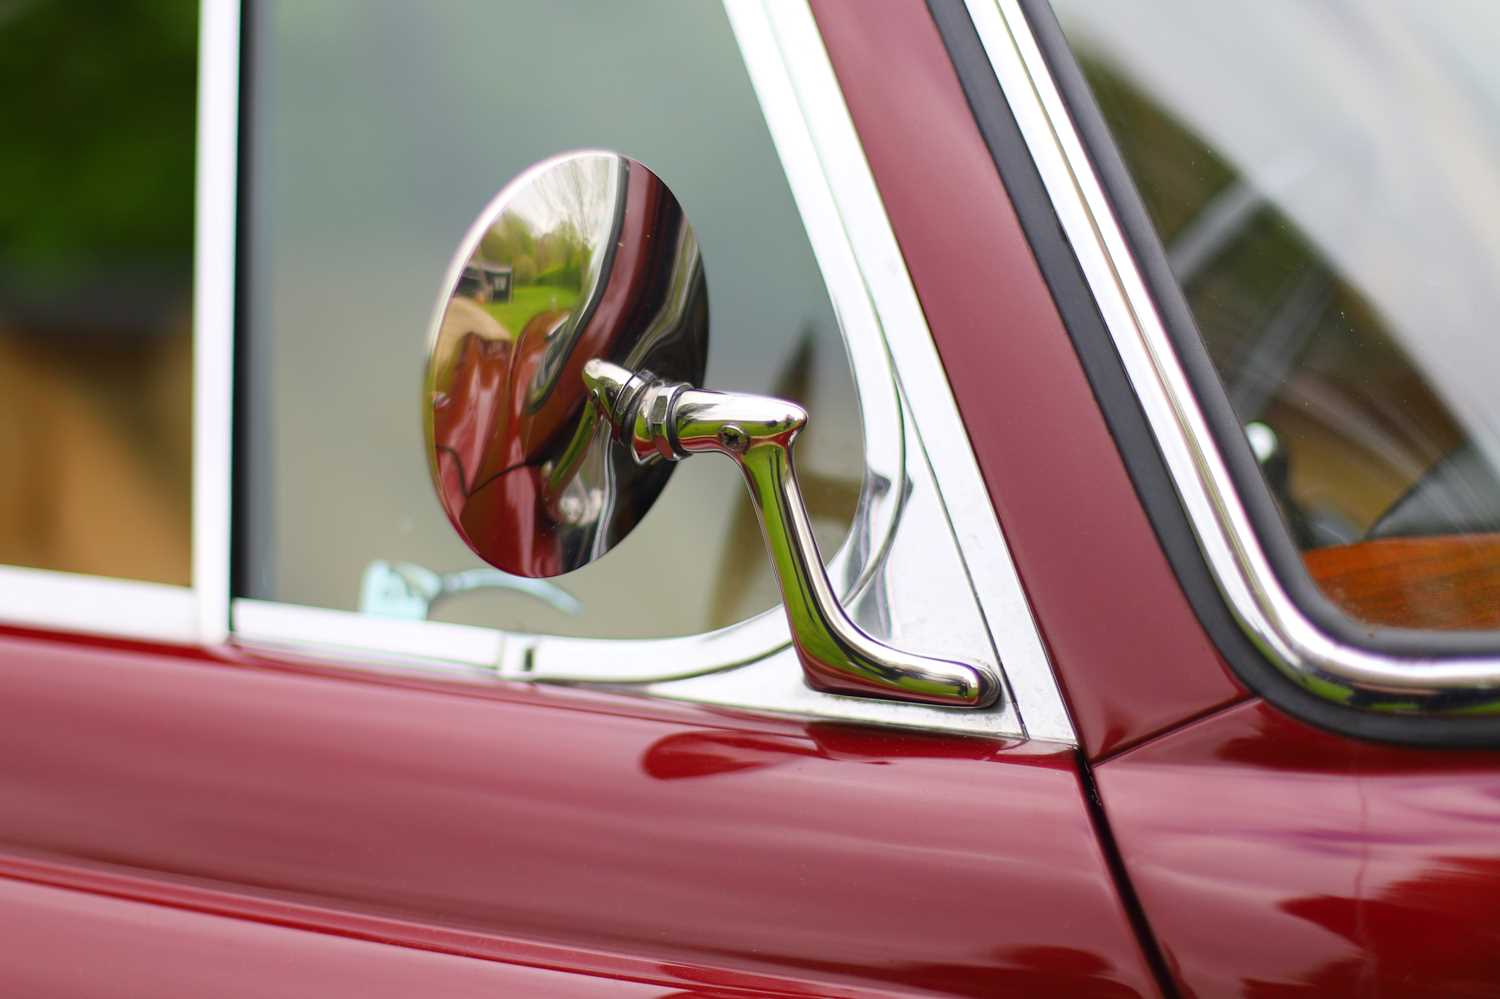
(561, 390)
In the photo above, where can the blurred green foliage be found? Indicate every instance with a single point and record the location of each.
(97, 107)
(558, 257)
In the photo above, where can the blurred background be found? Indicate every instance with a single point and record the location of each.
(96, 243)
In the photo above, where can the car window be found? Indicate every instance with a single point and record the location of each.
(1321, 178)
(374, 134)
(96, 244)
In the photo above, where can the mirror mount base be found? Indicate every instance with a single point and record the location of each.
(657, 419)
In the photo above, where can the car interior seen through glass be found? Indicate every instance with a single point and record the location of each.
(1321, 178)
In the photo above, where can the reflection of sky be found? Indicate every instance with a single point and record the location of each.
(579, 192)
(376, 133)
(1374, 126)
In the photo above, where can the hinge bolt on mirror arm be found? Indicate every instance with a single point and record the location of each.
(660, 420)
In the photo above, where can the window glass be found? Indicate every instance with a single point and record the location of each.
(375, 133)
(96, 238)
(1322, 177)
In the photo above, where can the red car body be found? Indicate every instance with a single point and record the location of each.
(188, 821)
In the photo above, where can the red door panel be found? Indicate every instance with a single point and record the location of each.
(566, 828)
(60, 944)
(1273, 858)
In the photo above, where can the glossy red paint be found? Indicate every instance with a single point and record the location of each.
(576, 830)
(62, 944)
(1131, 655)
(1273, 858)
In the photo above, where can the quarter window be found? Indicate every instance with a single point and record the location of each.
(374, 135)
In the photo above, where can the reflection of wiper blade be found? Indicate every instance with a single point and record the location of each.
(408, 591)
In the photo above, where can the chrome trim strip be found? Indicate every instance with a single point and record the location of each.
(1294, 644)
(834, 188)
(213, 309)
(98, 605)
(456, 651)
(775, 685)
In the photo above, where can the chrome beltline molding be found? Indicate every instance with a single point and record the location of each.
(100, 605)
(1290, 640)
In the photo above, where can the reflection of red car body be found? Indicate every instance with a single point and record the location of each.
(192, 821)
(480, 446)
(506, 406)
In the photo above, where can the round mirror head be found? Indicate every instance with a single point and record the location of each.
(584, 256)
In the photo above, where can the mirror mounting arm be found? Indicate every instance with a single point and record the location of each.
(660, 420)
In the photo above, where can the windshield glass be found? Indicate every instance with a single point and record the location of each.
(1322, 178)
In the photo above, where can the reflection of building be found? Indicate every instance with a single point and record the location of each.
(485, 282)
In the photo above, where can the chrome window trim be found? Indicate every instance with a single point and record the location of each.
(825, 162)
(434, 648)
(214, 220)
(97, 605)
(137, 609)
(1290, 640)
(914, 436)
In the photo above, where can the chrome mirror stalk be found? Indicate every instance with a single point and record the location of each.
(655, 419)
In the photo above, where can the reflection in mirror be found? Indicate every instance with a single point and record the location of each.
(584, 256)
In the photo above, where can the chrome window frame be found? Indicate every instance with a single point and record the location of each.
(915, 439)
(1303, 651)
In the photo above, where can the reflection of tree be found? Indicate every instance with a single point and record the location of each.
(580, 195)
(558, 257)
(98, 130)
(509, 241)
(575, 199)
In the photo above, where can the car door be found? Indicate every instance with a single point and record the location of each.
(296, 768)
